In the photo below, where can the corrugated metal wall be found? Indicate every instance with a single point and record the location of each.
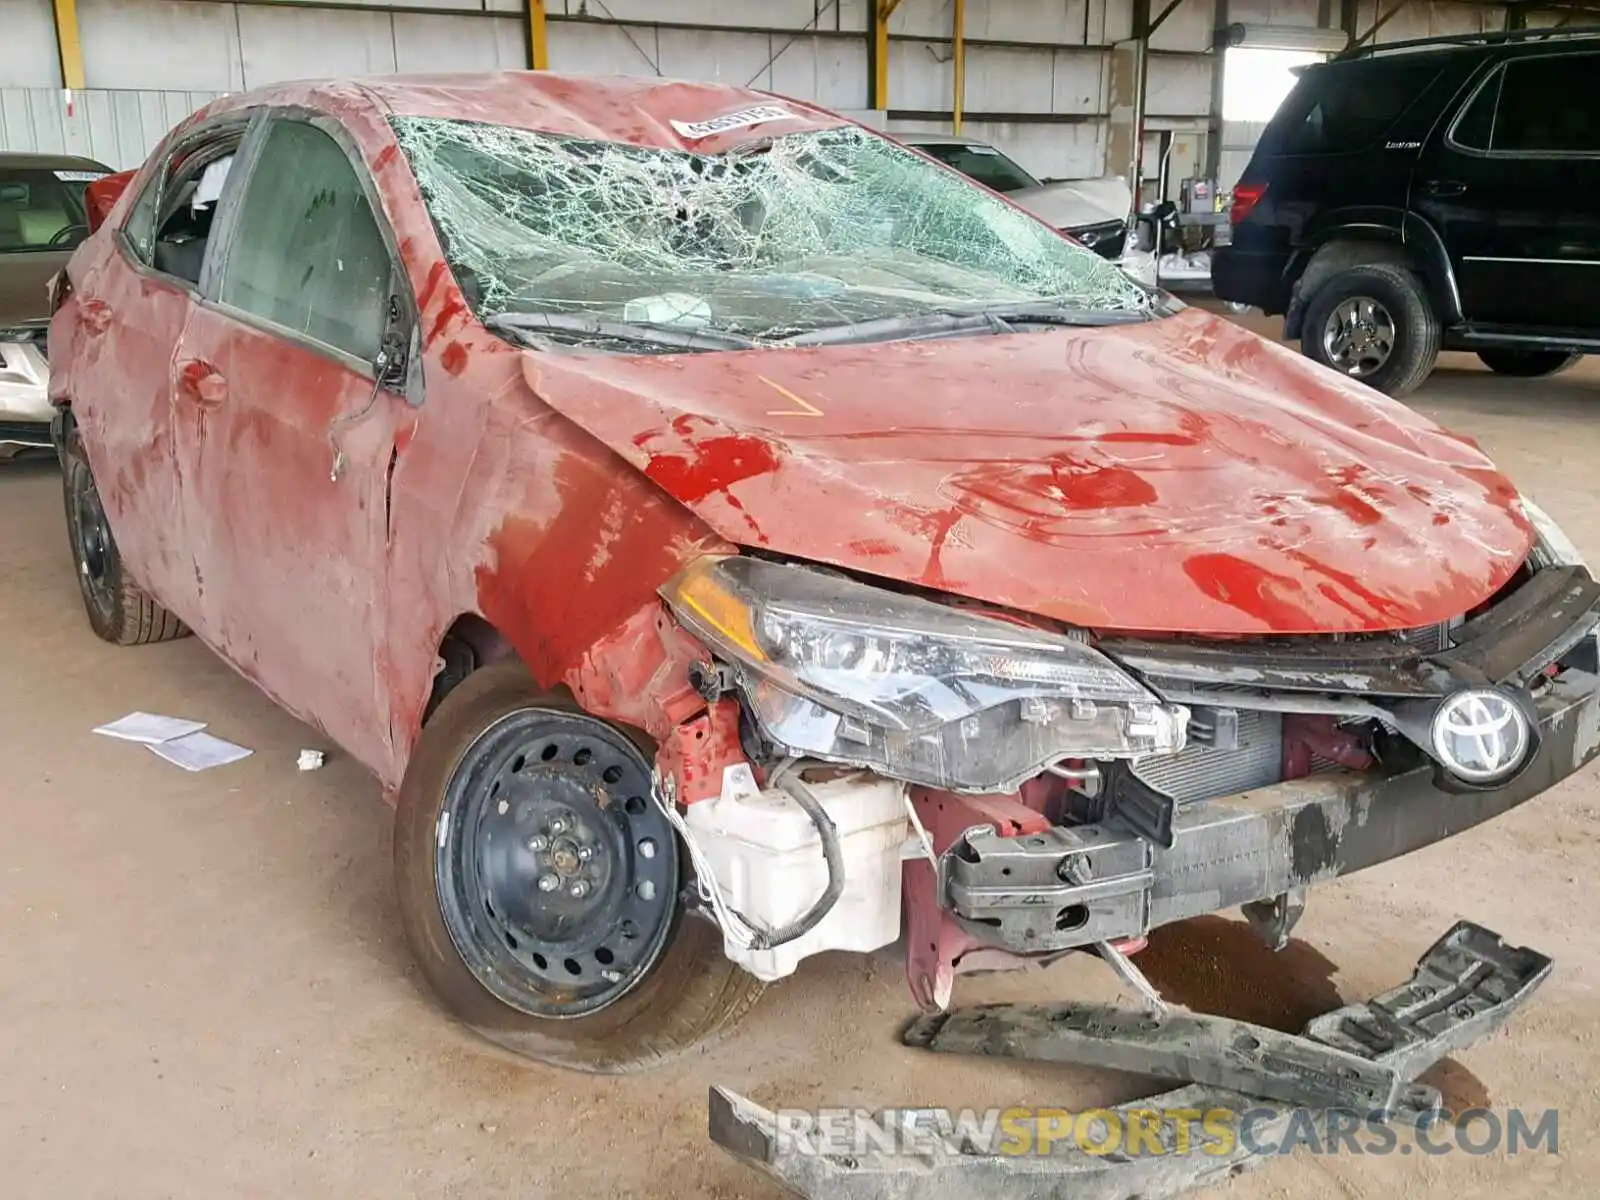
(117, 128)
(1037, 68)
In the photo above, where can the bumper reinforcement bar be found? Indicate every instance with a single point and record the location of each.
(1072, 886)
(1363, 1057)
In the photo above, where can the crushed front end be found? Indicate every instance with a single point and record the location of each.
(1031, 791)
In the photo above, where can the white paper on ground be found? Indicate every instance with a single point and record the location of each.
(198, 751)
(150, 728)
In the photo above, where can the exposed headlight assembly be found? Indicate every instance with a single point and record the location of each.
(838, 670)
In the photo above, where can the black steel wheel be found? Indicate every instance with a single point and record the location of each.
(541, 889)
(118, 609)
(94, 549)
(557, 876)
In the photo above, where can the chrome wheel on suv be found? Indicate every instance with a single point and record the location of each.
(1358, 336)
(1373, 322)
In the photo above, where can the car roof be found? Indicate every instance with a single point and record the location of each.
(20, 161)
(1517, 43)
(639, 110)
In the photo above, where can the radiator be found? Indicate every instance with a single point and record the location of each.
(1201, 772)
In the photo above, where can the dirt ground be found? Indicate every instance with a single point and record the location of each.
(204, 991)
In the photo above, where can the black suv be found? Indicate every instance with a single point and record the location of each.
(1428, 195)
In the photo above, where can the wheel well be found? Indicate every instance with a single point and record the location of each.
(469, 643)
(1332, 258)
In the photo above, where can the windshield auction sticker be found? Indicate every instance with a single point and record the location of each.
(742, 119)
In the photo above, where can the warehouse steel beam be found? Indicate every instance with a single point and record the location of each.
(878, 52)
(68, 47)
(958, 59)
(533, 20)
(1161, 18)
(1390, 14)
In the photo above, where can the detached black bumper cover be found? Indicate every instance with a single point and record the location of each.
(1467, 985)
(1069, 887)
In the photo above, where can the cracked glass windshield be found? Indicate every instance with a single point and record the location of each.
(599, 242)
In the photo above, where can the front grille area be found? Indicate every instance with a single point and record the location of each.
(1429, 639)
(1202, 772)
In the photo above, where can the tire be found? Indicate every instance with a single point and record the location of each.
(1527, 364)
(119, 610)
(690, 993)
(1404, 317)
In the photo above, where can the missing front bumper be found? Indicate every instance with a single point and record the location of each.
(1063, 888)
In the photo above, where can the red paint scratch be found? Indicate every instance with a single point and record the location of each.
(718, 463)
(1276, 600)
(873, 547)
(436, 276)
(453, 308)
(1378, 604)
(1361, 511)
(454, 359)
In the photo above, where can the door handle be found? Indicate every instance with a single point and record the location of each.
(202, 383)
(1444, 187)
(96, 315)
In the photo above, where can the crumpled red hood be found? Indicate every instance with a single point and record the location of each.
(1181, 475)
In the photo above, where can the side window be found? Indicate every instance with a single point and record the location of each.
(1339, 109)
(169, 226)
(1474, 129)
(1549, 106)
(306, 251)
(140, 227)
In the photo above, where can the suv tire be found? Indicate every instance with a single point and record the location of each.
(1527, 364)
(1398, 336)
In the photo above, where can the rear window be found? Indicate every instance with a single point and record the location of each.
(983, 163)
(41, 209)
(1341, 109)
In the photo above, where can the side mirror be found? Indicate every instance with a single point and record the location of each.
(101, 196)
(394, 366)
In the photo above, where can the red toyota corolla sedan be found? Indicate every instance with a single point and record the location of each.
(730, 535)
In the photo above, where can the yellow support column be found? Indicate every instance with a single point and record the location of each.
(881, 11)
(68, 46)
(538, 42)
(958, 59)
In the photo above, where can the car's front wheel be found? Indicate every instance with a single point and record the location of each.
(1374, 323)
(119, 610)
(542, 890)
(1527, 364)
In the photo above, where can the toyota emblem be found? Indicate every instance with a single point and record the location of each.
(1481, 736)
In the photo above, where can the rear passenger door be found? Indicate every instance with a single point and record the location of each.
(1513, 186)
(133, 311)
(279, 373)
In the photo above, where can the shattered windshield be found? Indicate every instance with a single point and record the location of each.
(779, 238)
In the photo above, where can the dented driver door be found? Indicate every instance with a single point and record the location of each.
(286, 495)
